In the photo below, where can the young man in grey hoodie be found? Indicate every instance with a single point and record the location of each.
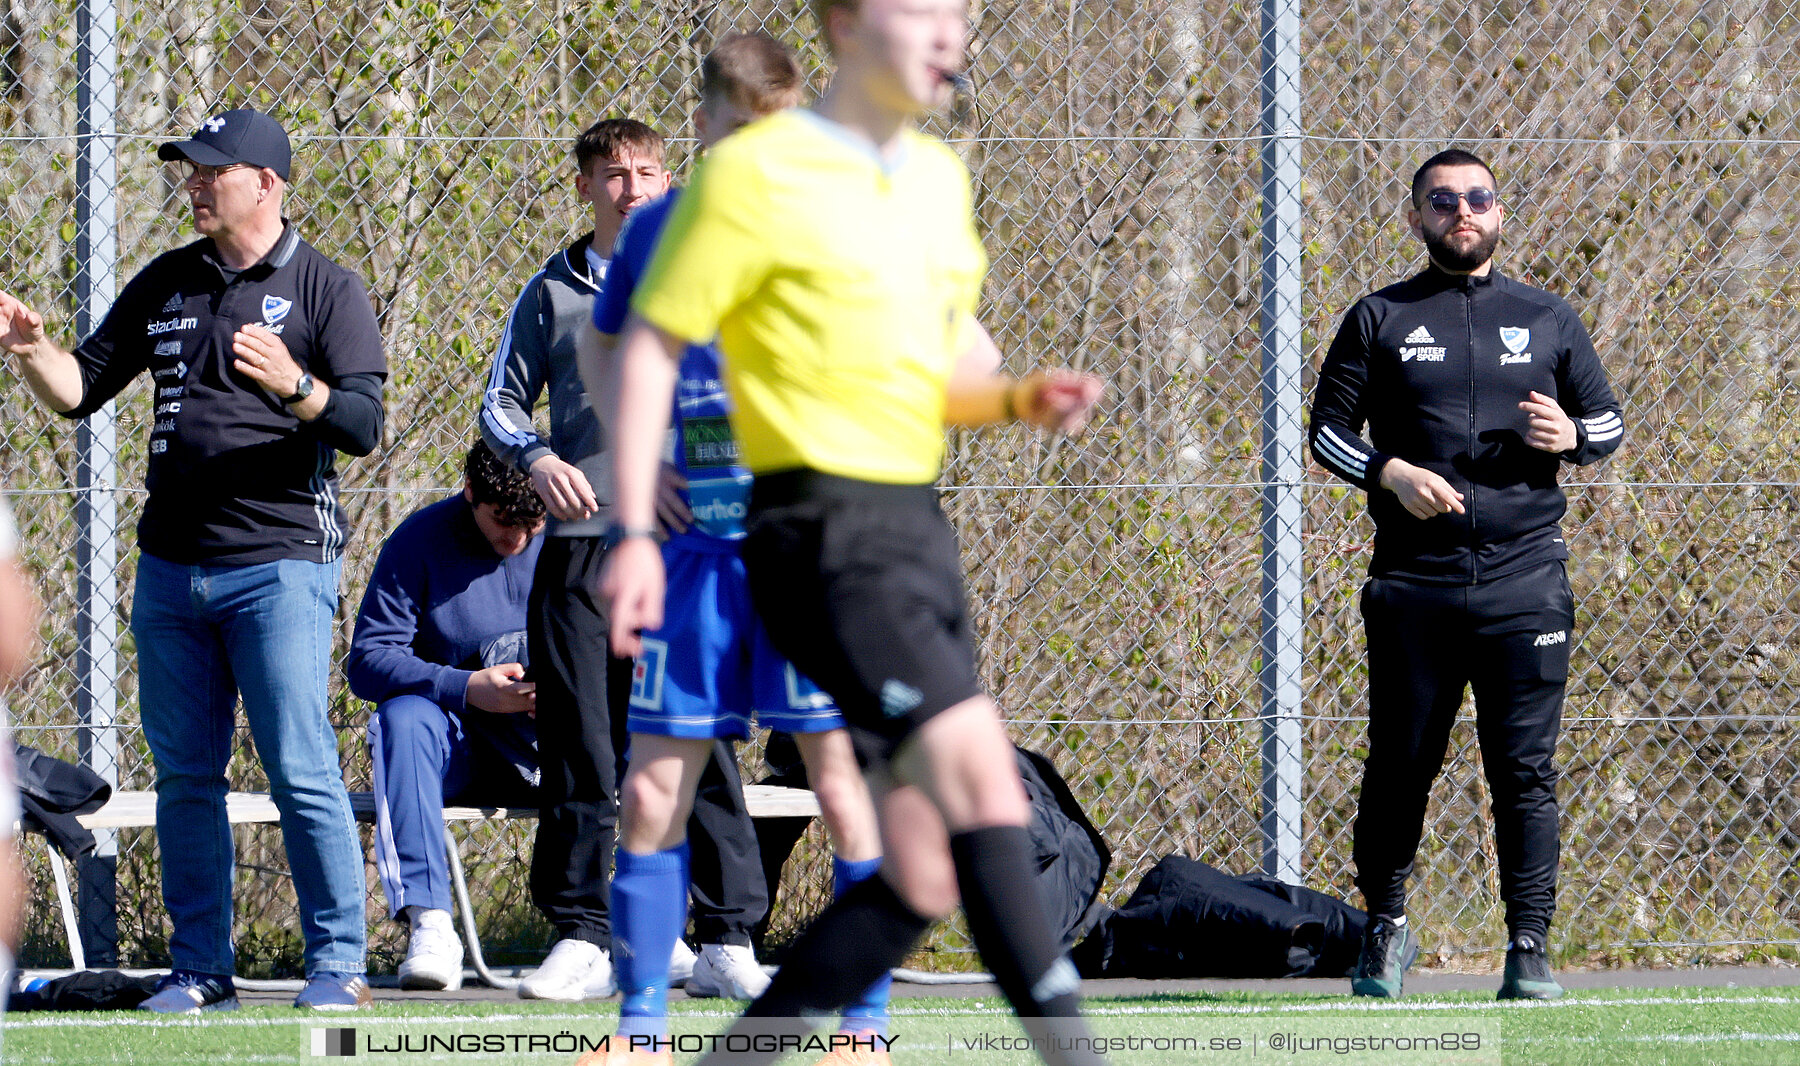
(581, 689)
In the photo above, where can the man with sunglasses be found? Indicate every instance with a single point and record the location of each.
(265, 360)
(1475, 388)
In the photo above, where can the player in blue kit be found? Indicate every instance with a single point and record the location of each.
(710, 668)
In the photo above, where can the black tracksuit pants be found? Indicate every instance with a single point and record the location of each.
(582, 696)
(1509, 640)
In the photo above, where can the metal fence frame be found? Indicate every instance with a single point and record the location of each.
(1287, 494)
(1283, 612)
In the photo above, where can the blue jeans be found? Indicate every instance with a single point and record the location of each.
(205, 634)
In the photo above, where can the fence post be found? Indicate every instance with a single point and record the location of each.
(96, 508)
(1282, 607)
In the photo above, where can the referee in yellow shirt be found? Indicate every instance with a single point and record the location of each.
(833, 252)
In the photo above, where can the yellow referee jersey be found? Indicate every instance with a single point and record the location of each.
(841, 289)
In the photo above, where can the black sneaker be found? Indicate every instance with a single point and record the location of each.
(1387, 950)
(187, 992)
(1528, 973)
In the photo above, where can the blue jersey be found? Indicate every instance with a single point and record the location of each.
(710, 667)
(705, 450)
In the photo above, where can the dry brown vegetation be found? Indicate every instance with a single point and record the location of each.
(1646, 156)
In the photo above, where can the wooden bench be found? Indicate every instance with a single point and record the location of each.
(137, 810)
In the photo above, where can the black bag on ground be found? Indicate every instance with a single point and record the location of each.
(1344, 924)
(52, 792)
(87, 990)
(1188, 919)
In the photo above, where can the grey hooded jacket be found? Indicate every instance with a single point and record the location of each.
(538, 350)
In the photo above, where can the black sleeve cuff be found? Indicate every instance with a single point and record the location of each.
(352, 420)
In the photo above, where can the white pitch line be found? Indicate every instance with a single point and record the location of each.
(1410, 1006)
(1091, 1008)
(1668, 1038)
(288, 1059)
(1346, 1005)
(214, 1020)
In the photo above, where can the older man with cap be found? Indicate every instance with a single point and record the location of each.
(265, 361)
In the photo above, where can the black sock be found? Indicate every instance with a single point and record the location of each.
(1012, 931)
(866, 932)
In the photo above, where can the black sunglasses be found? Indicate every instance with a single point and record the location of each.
(1444, 201)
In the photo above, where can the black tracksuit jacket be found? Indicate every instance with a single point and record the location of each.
(1436, 367)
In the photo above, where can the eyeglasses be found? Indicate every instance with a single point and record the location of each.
(205, 175)
(1444, 201)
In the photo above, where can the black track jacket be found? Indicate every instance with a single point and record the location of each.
(1437, 366)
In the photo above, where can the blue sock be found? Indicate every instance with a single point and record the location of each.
(869, 1012)
(649, 909)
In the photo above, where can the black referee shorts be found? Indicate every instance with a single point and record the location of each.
(860, 586)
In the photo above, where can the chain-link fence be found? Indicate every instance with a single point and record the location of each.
(1117, 578)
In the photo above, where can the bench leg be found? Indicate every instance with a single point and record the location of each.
(77, 956)
(470, 936)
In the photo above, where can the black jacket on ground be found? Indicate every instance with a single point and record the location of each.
(1071, 856)
(1436, 367)
(1188, 919)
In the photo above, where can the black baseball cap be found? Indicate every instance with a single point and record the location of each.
(244, 135)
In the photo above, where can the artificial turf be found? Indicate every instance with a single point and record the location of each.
(1614, 1027)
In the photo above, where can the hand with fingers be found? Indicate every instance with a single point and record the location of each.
(672, 511)
(1550, 429)
(631, 584)
(563, 488)
(21, 328)
(1424, 493)
(263, 357)
(1058, 400)
(502, 690)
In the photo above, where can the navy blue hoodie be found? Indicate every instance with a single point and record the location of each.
(438, 599)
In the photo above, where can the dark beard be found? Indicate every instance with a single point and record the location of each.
(1450, 259)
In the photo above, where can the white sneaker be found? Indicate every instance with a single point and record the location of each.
(681, 964)
(575, 970)
(434, 957)
(727, 970)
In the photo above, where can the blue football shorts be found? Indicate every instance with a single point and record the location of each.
(710, 668)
